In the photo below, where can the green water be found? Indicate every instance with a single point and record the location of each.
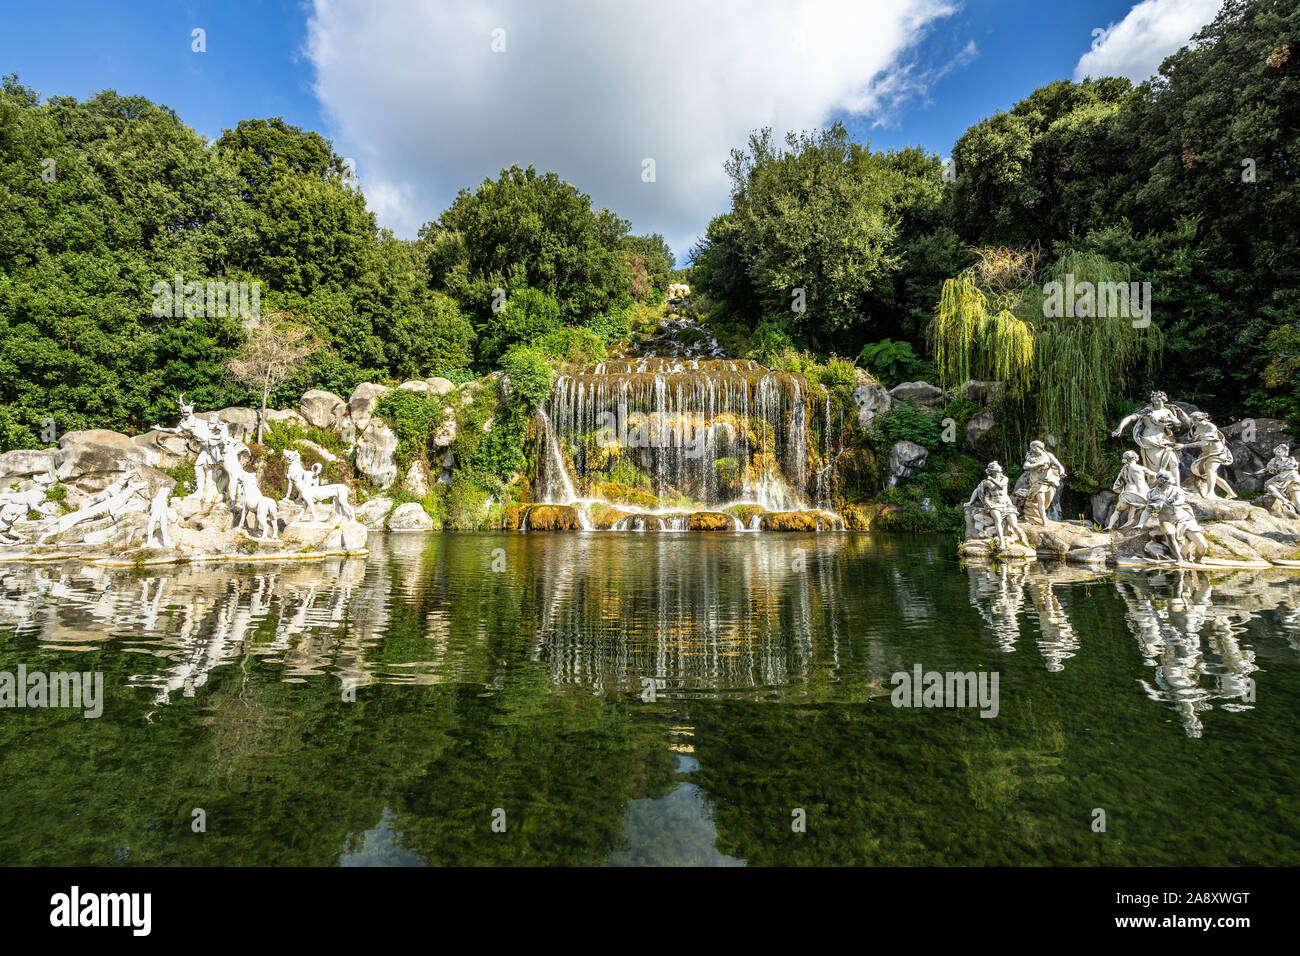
(510, 672)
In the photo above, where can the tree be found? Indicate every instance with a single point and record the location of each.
(272, 352)
(529, 229)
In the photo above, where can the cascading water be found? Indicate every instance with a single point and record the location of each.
(659, 439)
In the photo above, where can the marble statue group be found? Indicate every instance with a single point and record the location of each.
(1151, 490)
(220, 476)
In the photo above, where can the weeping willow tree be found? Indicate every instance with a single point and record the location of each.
(1042, 333)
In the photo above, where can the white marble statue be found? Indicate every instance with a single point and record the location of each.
(1214, 454)
(116, 501)
(206, 434)
(993, 510)
(1284, 485)
(160, 513)
(1153, 430)
(14, 506)
(1044, 483)
(1179, 532)
(1132, 486)
(305, 484)
(250, 500)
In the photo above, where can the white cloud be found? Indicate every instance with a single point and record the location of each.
(590, 88)
(1152, 30)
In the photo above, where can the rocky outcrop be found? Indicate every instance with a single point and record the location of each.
(374, 513)
(22, 462)
(977, 434)
(409, 517)
(872, 400)
(922, 392)
(361, 406)
(1251, 442)
(375, 453)
(905, 457)
(418, 480)
(322, 409)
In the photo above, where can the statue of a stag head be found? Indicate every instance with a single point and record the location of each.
(187, 409)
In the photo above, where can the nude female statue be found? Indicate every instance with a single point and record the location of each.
(1214, 455)
(1153, 428)
(1045, 474)
(1131, 484)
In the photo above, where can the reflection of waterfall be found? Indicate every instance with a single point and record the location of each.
(685, 433)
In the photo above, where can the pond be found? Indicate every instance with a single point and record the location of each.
(621, 698)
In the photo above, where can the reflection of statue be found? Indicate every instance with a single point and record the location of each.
(993, 508)
(1214, 455)
(1044, 483)
(1132, 488)
(1153, 430)
(1181, 536)
(1285, 483)
(306, 484)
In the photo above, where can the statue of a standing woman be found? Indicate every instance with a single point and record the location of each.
(1214, 455)
(1153, 430)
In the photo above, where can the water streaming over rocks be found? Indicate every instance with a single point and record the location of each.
(675, 442)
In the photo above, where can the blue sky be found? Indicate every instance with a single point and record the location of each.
(415, 94)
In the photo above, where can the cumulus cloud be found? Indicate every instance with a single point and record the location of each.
(415, 93)
(1152, 30)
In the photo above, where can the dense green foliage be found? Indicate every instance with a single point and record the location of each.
(1188, 181)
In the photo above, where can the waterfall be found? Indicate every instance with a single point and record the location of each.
(675, 435)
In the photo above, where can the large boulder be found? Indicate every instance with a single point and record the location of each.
(923, 392)
(409, 517)
(417, 385)
(982, 393)
(440, 386)
(905, 457)
(24, 461)
(286, 416)
(978, 427)
(171, 450)
(418, 480)
(97, 455)
(242, 422)
(322, 409)
(1251, 442)
(446, 433)
(374, 513)
(872, 400)
(361, 406)
(375, 453)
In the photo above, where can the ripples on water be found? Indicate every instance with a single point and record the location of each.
(701, 658)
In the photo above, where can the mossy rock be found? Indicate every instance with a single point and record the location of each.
(710, 521)
(553, 518)
(794, 521)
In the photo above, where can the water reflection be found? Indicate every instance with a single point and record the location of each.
(648, 617)
(1190, 626)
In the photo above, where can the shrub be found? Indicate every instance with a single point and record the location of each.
(531, 376)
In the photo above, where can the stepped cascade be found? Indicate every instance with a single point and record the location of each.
(675, 442)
